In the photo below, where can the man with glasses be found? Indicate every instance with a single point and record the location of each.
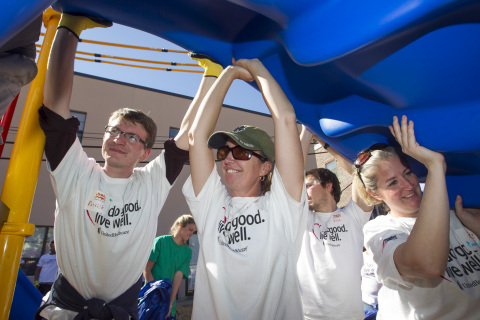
(106, 217)
(331, 256)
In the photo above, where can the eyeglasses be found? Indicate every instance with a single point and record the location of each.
(238, 153)
(132, 138)
(365, 155)
(309, 185)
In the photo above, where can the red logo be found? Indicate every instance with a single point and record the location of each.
(318, 228)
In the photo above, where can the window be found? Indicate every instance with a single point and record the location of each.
(172, 132)
(332, 166)
(81, 116)
(34, 247)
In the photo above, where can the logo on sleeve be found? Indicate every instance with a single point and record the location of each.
(388, 239)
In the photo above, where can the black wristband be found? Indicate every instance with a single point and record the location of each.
(325, 146)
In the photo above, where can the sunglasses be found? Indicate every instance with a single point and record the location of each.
(365, 155)
(238, 153)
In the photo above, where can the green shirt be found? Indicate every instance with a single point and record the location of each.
(169, 258)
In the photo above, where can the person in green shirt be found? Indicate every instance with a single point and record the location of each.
(170, 257)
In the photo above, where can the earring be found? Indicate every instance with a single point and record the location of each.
(262, 178)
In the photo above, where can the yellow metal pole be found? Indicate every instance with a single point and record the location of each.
(22, 175)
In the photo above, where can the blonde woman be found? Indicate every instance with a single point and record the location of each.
(426, 255)
(170, 257)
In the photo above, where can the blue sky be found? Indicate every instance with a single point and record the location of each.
(241, 94)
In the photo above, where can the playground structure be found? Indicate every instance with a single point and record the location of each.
(347, 67)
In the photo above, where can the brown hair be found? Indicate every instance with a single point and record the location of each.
(266, 183)
(326, 176)
(140, 117)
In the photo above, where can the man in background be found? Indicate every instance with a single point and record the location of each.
(46, 270)
(331, 255)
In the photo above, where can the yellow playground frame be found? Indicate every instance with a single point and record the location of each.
(22, 174)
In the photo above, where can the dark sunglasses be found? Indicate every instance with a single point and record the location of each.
(239, 153)
(365, 155)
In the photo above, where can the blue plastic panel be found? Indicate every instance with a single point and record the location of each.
(26, 299)
(347, 66)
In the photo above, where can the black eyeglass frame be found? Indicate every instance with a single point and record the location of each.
(120, 132)
(249, 153)
(365, 155)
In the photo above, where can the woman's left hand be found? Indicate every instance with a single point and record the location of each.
(405, 136)
(470, 217)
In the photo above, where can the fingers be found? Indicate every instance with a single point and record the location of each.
(458, 204)
(169, 312)
(241, 63)
(404, 132)
(412, 141)
(395, 130)
(249, 64)
(391, 131)
(241, 73)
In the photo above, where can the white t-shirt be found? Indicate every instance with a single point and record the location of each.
(248, 252)
(370, 285)
(48, 262)
(330, 262)
(105, 227)
(455, 295)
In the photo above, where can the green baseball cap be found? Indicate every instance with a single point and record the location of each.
(248, 137)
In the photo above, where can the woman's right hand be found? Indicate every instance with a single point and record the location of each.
(240, 71)
(404, 133)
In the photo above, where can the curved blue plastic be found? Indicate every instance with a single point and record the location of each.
(347, 66)
(26, 299)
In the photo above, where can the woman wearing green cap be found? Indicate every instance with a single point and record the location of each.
(250, 227)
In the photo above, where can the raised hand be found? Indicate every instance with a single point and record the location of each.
(470, 217)
(240, 73)
(404, 133)
(252, 65)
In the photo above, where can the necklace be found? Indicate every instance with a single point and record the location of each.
(229, 216)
